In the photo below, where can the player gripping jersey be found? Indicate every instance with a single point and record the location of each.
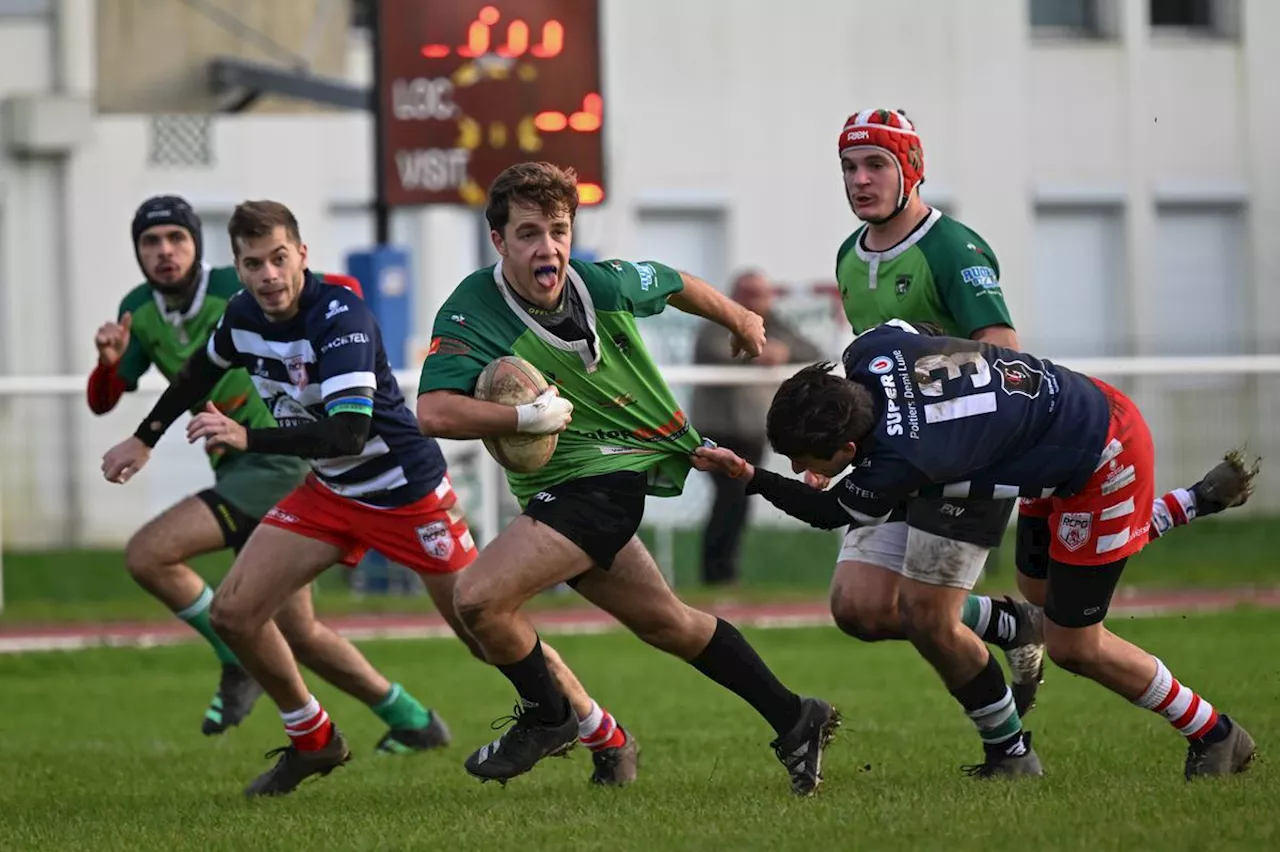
(922, 415)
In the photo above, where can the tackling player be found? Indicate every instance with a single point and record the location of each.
(575, 322)
(914, 263)
(162, 322)
(956, 420)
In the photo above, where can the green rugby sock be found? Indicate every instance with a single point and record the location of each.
(197, 615)
(401, 711)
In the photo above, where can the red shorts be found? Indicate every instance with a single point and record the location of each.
(429, 536)
(1109, 519)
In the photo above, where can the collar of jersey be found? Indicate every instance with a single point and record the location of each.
(588, 350)
(178, 318)
(866, 255)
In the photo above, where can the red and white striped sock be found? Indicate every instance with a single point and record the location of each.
(1174, 509)
(1190, 715)
(598, 730)
(308, 726)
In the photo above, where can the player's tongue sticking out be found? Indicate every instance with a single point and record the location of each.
(546, 276)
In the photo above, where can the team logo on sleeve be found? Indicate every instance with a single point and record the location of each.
(1019, 377)
(436, 540)
(297, 367)
(1074, 529)
(880, 365)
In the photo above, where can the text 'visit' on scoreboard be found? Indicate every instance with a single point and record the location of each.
(467, 88)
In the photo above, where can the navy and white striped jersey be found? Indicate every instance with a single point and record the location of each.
(964, 419)
(316, 365)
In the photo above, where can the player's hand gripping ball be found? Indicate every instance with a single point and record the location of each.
(541, 413)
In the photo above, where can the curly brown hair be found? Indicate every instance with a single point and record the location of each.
(815, 413)
(253, 220)
(548, 187)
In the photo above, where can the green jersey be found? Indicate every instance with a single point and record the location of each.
(625, 418)
(167, 338)
(942, 273)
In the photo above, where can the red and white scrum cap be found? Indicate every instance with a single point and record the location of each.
(890, 131)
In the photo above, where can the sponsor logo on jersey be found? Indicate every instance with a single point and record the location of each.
(335, 308)
(343, 340)
(622, 400)
(447, 346)
(436, 540)
(623, 343)
(1019, 377)
(289, 412)
(880, 365)
(980, 277)
(1074, 528)
(673, 430)
(648, 275)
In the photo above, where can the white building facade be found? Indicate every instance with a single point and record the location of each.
(1122, 161)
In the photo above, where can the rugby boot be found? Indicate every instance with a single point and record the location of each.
(1000, 765)
(1227, 485)
(616, 767)
(296, 766)
(237, 692)
(1225, 757)
(434, 734)
(800, 749)
(523, 744)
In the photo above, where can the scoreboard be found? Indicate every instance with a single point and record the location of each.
(466, 88)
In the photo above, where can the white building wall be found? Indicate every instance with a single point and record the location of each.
(720, 105)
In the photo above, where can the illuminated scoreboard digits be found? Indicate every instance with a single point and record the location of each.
(467, 88)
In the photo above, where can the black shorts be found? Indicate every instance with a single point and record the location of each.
(980, 522)
(1077, 595)
(235, 524)
(599, 514)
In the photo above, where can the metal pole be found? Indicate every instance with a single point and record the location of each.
(381, 212)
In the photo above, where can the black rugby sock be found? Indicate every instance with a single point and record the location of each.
(731, 662)
(533, 681)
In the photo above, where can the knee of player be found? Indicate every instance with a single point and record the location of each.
(472, 600)
(1076, 650)
(228, 617)
(141, 557)
(866, 620)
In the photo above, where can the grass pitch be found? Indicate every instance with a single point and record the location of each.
(101, 750)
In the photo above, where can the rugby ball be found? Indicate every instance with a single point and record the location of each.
(511, 380)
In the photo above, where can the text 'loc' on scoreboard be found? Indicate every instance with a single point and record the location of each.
(468, 88)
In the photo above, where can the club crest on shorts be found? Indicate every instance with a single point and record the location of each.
(1074, 529)
(297, 367)
(436, 540)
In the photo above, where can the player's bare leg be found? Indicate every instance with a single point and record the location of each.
(634, 591)
(1216, 745)
(526, 558)
(156, 557)
(865, 604)
(939, 573)
(412, 727)
(273, 565)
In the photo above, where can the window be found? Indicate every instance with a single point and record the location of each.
(1202, 17)
(25, 8)
(1075, 18)
(1197, 300)
(1078, 295)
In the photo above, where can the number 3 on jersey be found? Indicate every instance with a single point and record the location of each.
(960, 378)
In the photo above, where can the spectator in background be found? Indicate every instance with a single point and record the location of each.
(733, 416)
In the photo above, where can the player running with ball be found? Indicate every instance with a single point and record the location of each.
(625, 439)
